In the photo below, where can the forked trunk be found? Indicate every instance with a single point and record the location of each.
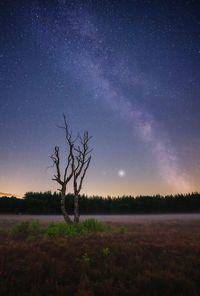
(63, 210)
(76, 209)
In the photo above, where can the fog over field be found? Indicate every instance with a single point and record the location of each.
(7, 220)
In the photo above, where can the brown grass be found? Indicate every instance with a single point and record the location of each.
(138, 259)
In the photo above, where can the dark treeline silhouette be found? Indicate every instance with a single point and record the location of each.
(49, 203)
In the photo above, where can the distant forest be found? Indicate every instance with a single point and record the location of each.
(49, 203)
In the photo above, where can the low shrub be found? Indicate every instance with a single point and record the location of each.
(57, 230)
(26, 230)
(82, 228)
(92, 225)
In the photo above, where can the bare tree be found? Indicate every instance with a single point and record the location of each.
(69, 168)
(77, 163)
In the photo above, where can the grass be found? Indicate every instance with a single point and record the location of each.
(82, 228)
(27, 230)
(86, 259)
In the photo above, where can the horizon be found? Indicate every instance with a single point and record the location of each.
(2, 194)
(126, 72)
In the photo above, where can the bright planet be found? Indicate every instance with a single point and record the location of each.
(121, 173)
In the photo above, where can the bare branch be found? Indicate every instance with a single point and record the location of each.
(56, 161)
(82, 161)
(83, 176)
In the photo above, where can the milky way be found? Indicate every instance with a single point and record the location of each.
(136, 71)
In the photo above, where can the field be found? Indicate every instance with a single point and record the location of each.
(147, 256)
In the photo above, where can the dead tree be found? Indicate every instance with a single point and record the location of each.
(68, 171)
(77, 163)
(82, 162)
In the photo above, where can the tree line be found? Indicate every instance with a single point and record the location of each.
(49, 203)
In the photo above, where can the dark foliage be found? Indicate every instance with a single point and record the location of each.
(49, 203)
(151, 259)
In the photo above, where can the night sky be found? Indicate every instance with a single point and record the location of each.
(127, 71)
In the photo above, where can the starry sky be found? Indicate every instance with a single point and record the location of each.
(126, 71)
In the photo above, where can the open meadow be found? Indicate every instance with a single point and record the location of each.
(145, 255)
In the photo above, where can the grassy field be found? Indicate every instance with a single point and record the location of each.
(128, 259)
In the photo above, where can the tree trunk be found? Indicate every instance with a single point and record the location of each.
(76, 209)
(63, 210)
